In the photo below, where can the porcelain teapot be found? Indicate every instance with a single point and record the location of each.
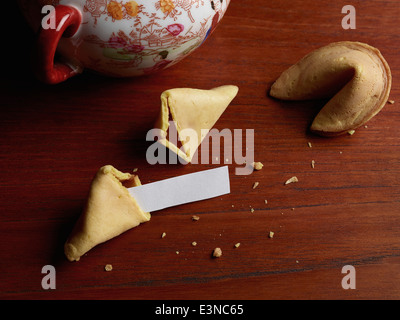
(120, 38)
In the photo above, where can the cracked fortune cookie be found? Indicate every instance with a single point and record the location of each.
(110, 210)
(353, 75)
(194, 112)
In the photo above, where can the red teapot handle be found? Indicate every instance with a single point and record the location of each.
(67, 21)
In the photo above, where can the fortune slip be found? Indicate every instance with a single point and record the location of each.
(118, 202)
(182, 189)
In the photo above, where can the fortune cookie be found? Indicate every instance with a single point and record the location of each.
(194, 112)
(353, 75)
(110, 210)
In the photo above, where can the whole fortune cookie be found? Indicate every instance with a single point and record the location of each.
(353, 75)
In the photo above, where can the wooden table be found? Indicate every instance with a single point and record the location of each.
(344, 211)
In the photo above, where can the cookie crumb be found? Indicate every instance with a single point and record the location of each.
(194, 243)
(351, 132)
(237, 245)
(309, 144)
(108, 267)
(312, 164)
(391, 101)
(257, 165)
(217, 252)
(292, 179)
(270, 235)
(195, 218)
(251, 210)
(266, 201)
(163, 235)
(177, 252)
(255, 185)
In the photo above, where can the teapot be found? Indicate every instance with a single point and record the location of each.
(117, 38)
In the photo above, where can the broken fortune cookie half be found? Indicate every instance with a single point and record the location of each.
(110, 210)
(194, 112)
(354, 75)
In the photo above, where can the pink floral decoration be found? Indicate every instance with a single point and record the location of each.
(175, 29)
(116, 42)
(133, 48)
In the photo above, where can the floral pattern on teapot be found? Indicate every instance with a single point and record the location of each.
(135, 37)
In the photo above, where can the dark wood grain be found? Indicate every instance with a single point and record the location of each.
(344, 211)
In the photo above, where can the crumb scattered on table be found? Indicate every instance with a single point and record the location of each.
(351, 132)
(194, 243)
(195, 218)
(271, 235)
(217, 252)
(312, 164)
(163, 235)
(108, 267)
(237, 245)
(257, 165)
(391, 101)
(255, 185)
(309, 144)
(291, 180)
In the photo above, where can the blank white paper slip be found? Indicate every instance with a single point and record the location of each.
(182, 189)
